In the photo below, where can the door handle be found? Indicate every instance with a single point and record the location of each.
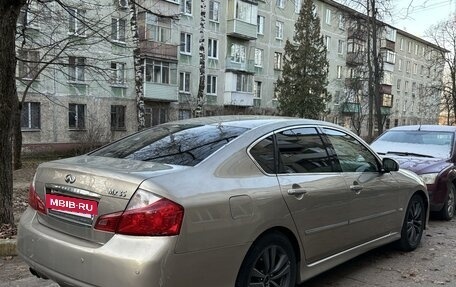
(356, 188)
(297, 191)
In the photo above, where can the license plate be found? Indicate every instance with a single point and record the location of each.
(71, 205)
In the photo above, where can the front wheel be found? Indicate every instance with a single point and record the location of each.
(270, 262)
(447, 211)
(413, 225)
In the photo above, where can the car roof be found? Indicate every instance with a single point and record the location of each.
(251, 121)
(440, 128)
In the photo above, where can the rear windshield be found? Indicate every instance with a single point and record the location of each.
(176, 144)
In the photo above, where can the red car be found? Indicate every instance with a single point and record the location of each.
(429, 151)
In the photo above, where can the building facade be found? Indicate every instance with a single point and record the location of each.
(76, 65)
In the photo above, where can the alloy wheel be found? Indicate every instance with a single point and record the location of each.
(415, 222)
(271, 269)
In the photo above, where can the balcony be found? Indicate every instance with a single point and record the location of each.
(350, 108)
(240, 99)
(160, 92)
(387, 44)
(158, 50)
(247, 66)
(355, 58)
(385, 89)
(240, 29)
(356, 33)
(354, 83)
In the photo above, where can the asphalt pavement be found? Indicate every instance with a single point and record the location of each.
(432, 264)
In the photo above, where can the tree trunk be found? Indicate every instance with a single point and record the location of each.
(17, 139)
(202, 60)
(138, 67)
(9, 12)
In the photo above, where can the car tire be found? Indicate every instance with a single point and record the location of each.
(257, 267)
(447, 212)
(413, 225)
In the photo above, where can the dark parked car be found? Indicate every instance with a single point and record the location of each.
(429, 151)
(218, 202)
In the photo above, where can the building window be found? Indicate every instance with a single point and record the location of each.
(117, 73)
(298, 5)
(75, 25)
(76, 66)
(118, 30)
(158, 29)
(341, 22)
(246, 11)
(401, 45)
(155, 115)
(237, 53)
(28, 64)
(279, 30)
(184, 82)
(399, 66)
(340, 47)
(185, 114)
(186, 7)
(157, 72)
(406, 84)
(211, 85)
(244, 83)
(390, 57)
(212, 48)
(258, 57)
(327, 42)
(398, 84)
(28, 16)
(260, 25)
(76, 116)
(214, 10)
(278, 61)
(409, 46)
(328, 17)
(415, 68)
(280, 3)
(339, 72)
(408, 66)
(186, 43)
(31, 115)
(118, 117)
(416, 49)
(257, 89)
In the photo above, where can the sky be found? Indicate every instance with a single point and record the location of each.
(421, 14)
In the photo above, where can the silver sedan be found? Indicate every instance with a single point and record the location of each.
(220, 201)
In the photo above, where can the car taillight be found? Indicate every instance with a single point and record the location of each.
(145, 215)
(34, 199)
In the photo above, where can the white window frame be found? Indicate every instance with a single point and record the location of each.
(327, 42)
(238, 53)
(211, 85)
(79, 118)
(278, 61)
(186, 43)
(328, 16)
(279, 30)
(31, 108)
(258, 58)
(340, 47)
(118, 73)
(76, 69)
(186, 7)
(28, 63)
(117, 30)
(75, 26)
(260, 25)
(339, 72)
(184, 82)
(280, 3)
(214, 11)
(257, 89)
(212, 48)
(297, 7)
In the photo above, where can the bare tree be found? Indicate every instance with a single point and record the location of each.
(443, 59)
(9, 13)
(202, 62)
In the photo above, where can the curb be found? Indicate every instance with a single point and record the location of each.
(8, 247)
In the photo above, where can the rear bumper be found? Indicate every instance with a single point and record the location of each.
(123, 260)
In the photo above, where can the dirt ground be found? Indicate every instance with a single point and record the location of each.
(21, 182)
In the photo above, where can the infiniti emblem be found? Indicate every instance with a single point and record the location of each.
(69, 178)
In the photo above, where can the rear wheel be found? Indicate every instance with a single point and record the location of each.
(413, 226)
(447, 211)
(270, 262)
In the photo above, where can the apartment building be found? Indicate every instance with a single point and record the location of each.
(88, 90)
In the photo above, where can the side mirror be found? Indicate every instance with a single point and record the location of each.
(390, 165)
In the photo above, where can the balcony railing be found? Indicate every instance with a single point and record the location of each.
(355, 58)
(241, 29)
(350, 108)
(158, 50)
(243, 99)
(246, 66)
